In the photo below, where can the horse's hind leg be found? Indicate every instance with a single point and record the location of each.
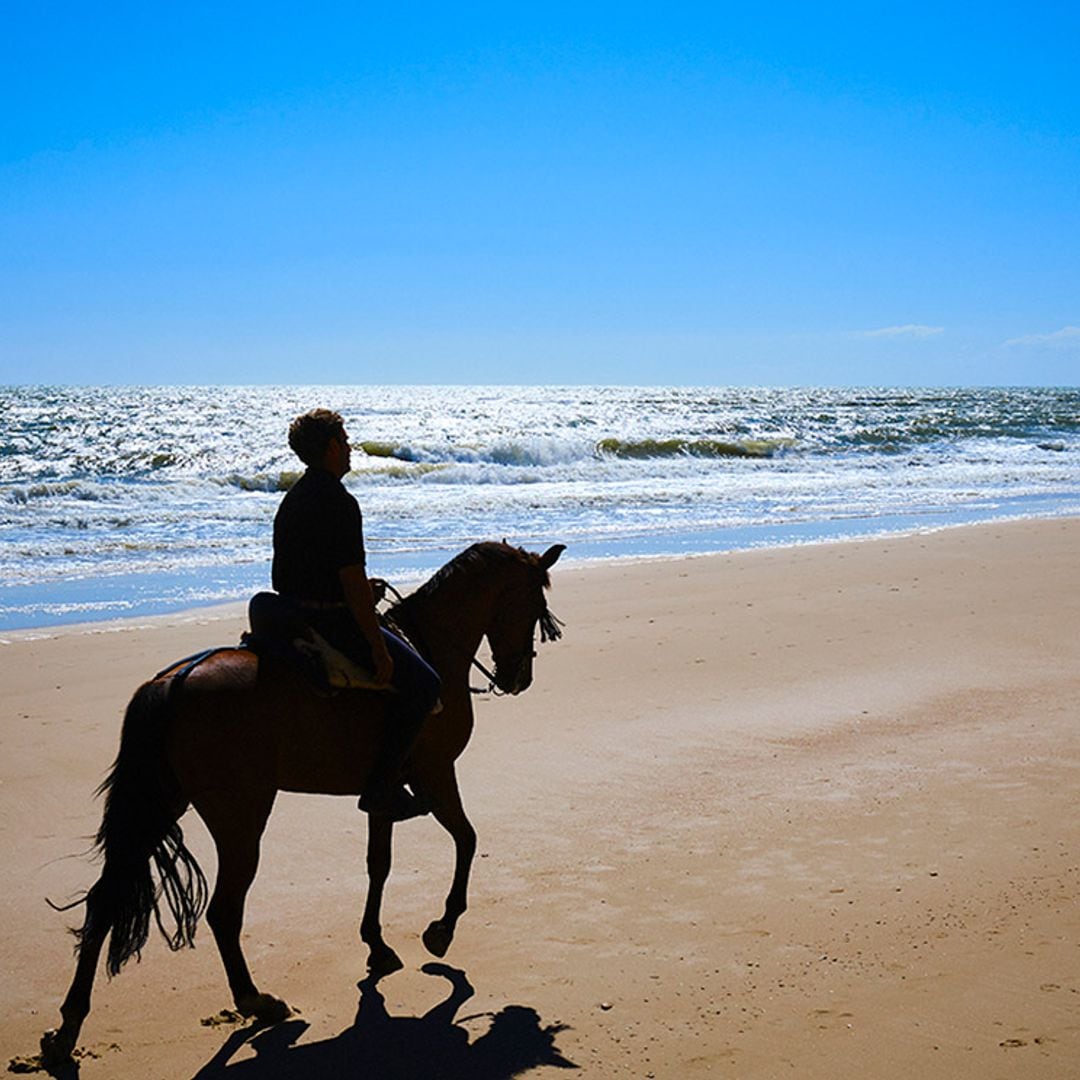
(451, 816)
(57, 1046)
(382, 960)
(236, 821)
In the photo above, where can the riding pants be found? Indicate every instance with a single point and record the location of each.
(415, 683)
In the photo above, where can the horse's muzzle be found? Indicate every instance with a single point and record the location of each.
(519, 678)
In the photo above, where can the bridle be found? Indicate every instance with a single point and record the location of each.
(550, 630)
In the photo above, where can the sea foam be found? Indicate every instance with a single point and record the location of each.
(169, 493)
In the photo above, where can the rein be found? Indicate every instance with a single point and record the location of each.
(417, 643)
(491, 688)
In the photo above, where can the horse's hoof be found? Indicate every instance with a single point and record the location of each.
(437, 938)
(383, 962)
(265, 1008)
(56, 1049)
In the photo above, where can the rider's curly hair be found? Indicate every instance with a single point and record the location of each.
(312, 433)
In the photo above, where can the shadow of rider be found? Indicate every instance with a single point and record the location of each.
(430, 1047)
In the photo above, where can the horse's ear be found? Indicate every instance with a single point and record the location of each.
(551, 556)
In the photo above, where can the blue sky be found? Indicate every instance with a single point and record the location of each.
(677, 193)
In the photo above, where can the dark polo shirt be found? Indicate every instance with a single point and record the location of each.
(318, 530)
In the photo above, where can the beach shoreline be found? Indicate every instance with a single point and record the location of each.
(231, 610)
(809, 809)
(109, 511)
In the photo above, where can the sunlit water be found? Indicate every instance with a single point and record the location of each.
(118, 501)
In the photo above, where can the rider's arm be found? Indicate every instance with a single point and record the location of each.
(362, 605)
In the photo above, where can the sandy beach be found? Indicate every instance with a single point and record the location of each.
(807, 812)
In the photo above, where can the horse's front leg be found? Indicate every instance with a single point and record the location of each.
(450, 814)
(382, 960)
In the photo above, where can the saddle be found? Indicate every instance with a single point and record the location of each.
(279, 630)
(280, 633)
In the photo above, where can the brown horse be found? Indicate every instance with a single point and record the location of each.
(226, 736)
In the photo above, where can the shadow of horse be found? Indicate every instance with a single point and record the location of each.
(430, 1047)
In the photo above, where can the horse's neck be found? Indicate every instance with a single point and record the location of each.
(448, 628)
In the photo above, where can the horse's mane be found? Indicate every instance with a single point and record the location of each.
(487, 553)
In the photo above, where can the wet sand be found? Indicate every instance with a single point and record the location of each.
(807, 812)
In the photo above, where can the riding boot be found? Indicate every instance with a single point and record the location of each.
(385, 795)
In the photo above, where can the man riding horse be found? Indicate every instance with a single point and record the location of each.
(225, 733)
(320, 570)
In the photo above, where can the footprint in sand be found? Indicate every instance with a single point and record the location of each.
(32, 1063)
(226, 1016)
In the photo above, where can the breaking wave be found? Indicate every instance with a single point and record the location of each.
(180, 484)
(701, 448)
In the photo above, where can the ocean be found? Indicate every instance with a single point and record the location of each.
(120, 501)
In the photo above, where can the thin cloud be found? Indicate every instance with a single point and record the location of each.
(1067, 335)
(914, 330)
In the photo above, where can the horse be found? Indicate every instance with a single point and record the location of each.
(224, 735)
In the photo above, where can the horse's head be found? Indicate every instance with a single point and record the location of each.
(521, 607)
(490, 590)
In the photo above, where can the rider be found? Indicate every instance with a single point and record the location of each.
(319, 565)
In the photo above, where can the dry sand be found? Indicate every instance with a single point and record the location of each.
(806, 812)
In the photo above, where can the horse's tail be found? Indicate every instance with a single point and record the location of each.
(139, 827)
